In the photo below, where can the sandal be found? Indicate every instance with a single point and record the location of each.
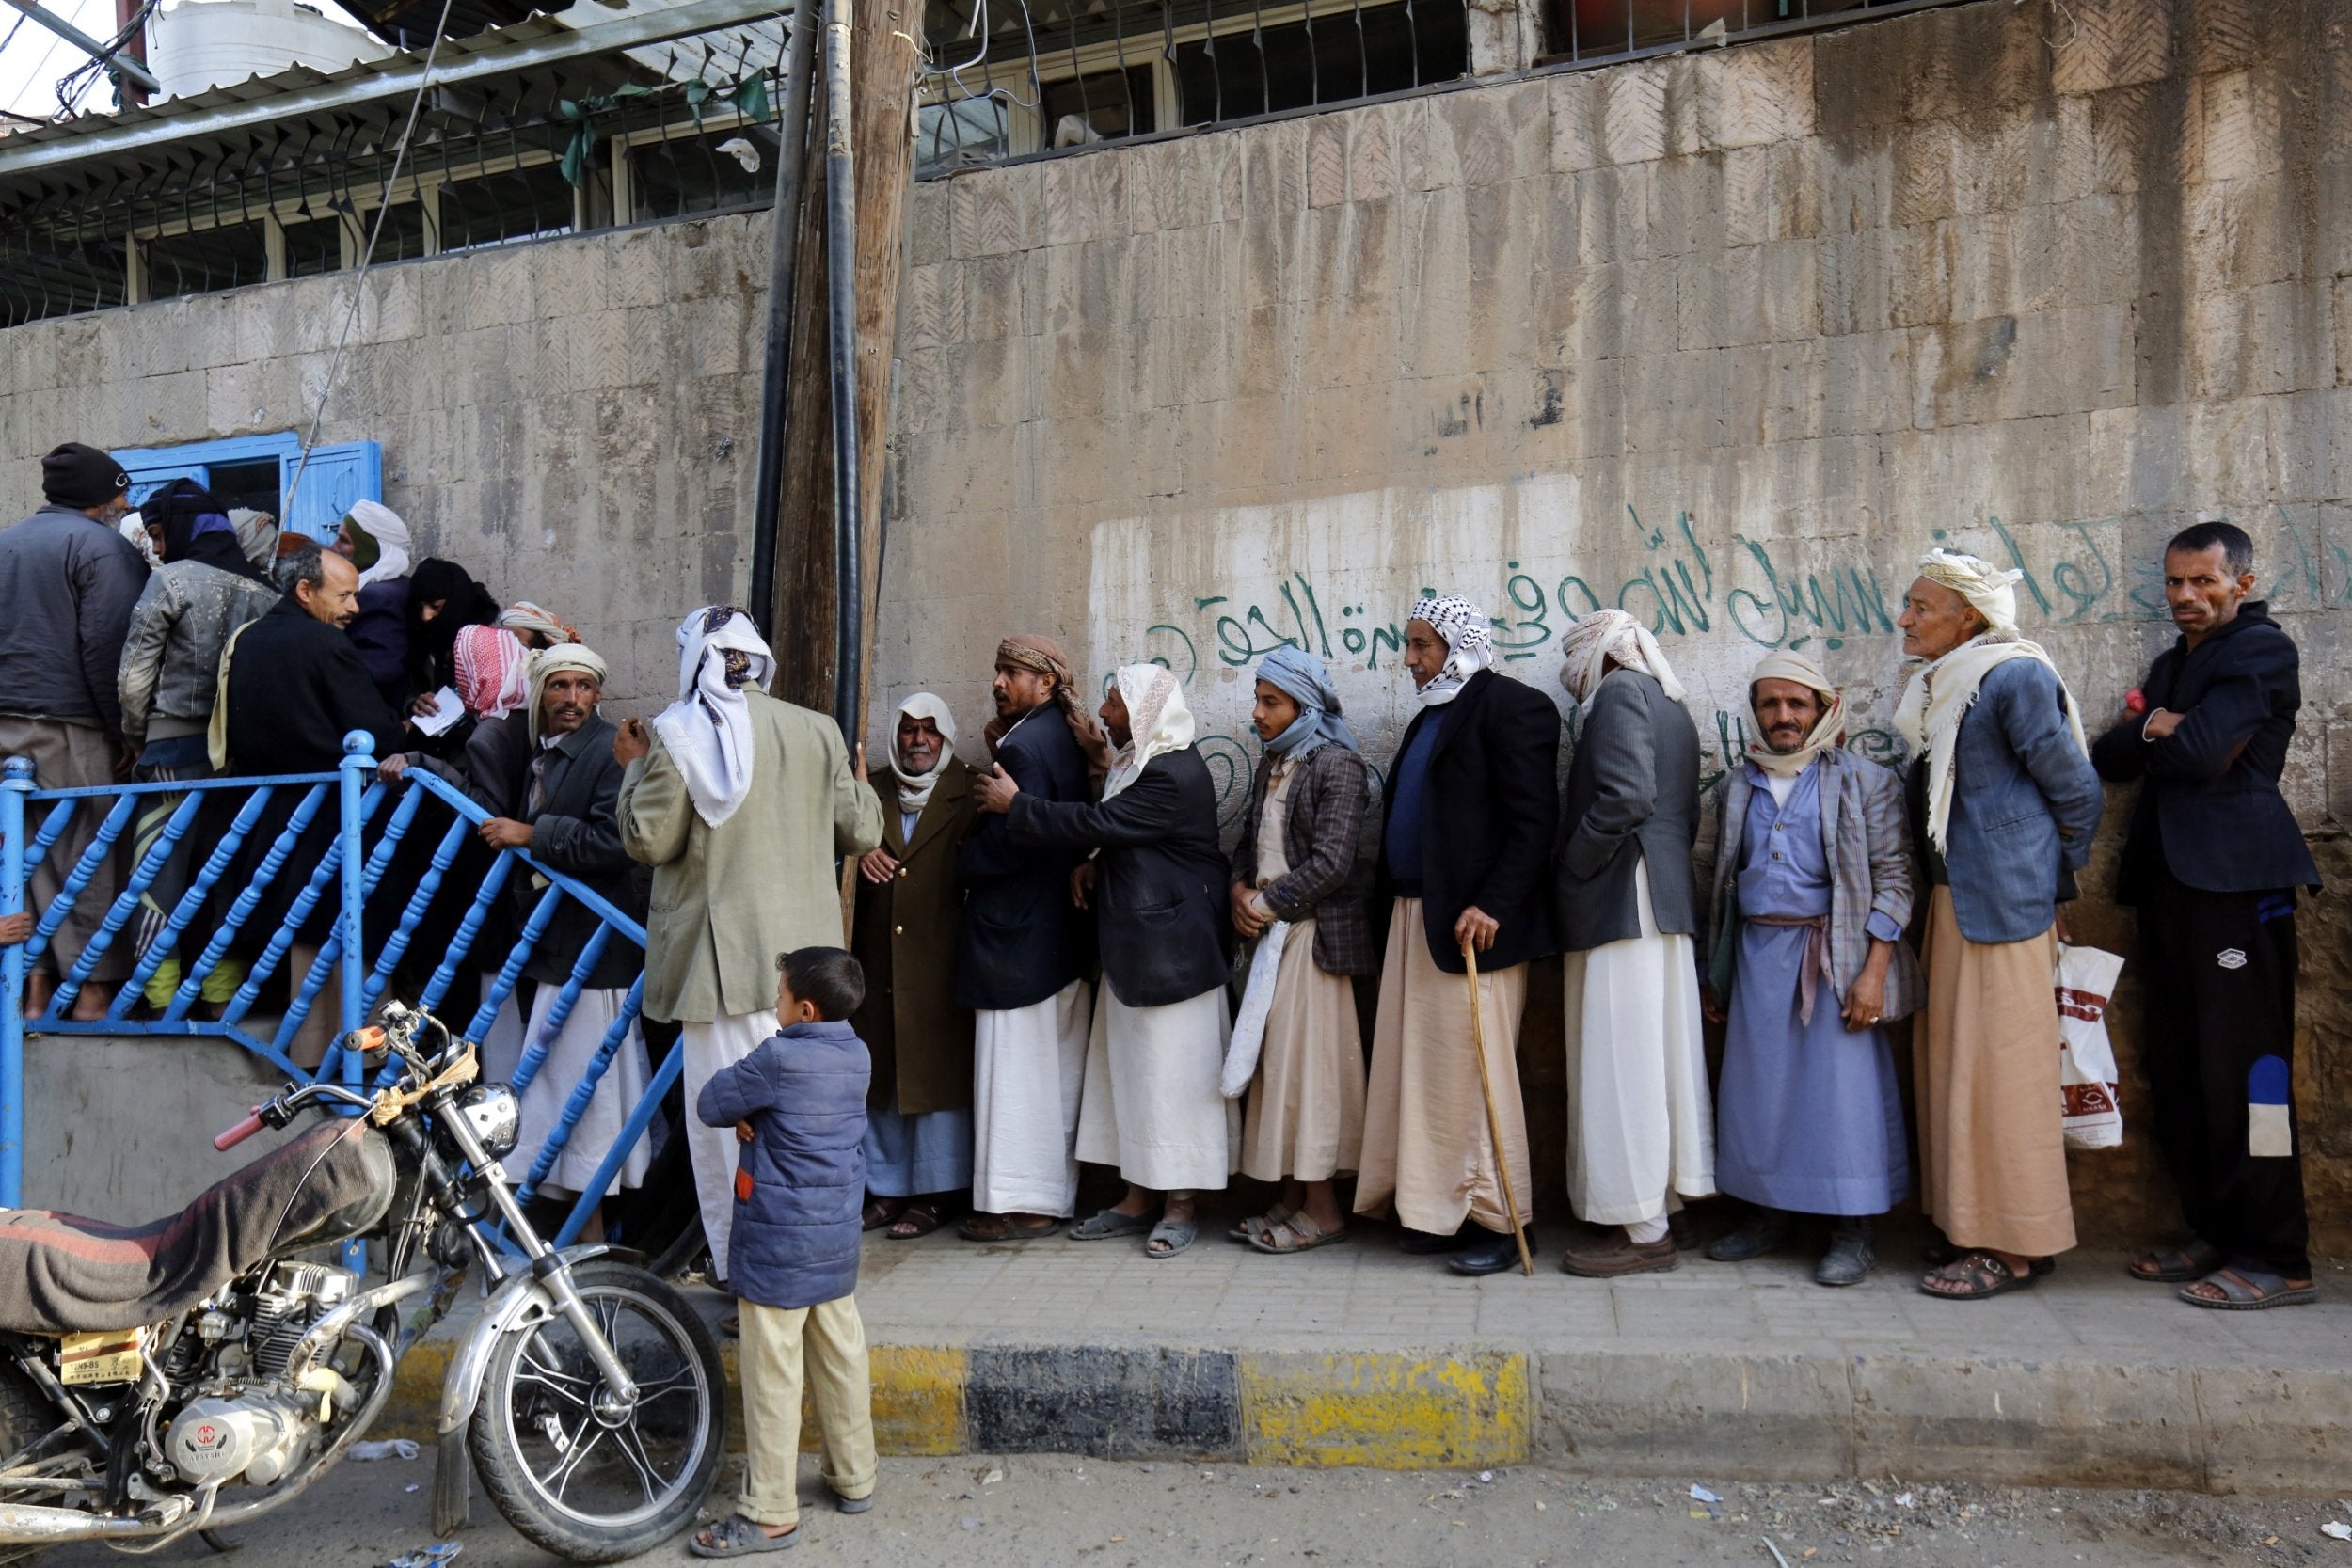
(1984, 1276)
(1296, 1233)
(735, 1536)
(1249, 1229)
(1169, 1237)
(2248, 1291)
(2175, 1265)
(999, 1227)
(1943, 1255)
(917, 1221)
(879, 1212)
(1108, 1223)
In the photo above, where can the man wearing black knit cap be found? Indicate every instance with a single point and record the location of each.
(68, 581)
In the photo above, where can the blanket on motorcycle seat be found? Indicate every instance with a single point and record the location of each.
(60, 1274)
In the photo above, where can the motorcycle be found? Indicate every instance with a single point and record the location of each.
(184, 1376)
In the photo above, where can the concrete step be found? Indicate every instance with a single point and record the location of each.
(1358, 1355)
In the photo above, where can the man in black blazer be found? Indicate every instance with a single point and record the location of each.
(1022, 958)
(1153, 1104)
(1469, 814)
(2212, 863)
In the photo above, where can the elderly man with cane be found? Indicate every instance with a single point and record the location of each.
(1812, 892)
(1471, 809)
(1639, 1127)
(2004, 803)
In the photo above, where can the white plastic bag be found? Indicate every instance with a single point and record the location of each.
(2085, 978)
(1257, 1002)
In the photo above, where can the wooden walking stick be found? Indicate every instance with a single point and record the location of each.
(1494, 1118)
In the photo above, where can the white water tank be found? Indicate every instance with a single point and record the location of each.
(198, 44)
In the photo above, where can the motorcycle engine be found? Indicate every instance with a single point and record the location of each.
(255, 1425)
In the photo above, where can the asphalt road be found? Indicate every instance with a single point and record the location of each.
(1039, 1510)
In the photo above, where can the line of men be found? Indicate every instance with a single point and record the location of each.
(994, 896)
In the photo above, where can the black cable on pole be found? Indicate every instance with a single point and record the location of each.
(792, 131)
(841, 296)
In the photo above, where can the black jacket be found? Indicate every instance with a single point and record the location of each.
(2210, 809)
(1488, 819)
(67, 586)
(578, 832)
(1023, 941)
(297, 687)
(1159, 886)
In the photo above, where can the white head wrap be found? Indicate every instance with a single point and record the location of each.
(1607, 634)
(708, 729)
(1782, 665)
(1941, 692)
(133, 528)
(915, 789)
(1470, 646)
(545, 663)
(524, 618)
(1158, 722)
(383, 525)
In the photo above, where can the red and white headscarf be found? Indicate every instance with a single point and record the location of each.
(493, 671)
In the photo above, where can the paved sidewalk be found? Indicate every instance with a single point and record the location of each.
(1358, 1355)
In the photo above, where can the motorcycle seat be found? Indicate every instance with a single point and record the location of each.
(60, 1274)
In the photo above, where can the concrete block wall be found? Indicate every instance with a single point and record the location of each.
(576, 421)
(1724, 339)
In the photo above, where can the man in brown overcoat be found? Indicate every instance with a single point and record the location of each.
(909, 909)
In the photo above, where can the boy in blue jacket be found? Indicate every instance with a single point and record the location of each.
(799, 1107)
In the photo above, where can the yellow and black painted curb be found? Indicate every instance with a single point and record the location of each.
(1385, 1411)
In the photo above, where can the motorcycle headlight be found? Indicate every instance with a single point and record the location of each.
(494, 1114)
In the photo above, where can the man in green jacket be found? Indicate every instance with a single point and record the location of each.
(741, 804)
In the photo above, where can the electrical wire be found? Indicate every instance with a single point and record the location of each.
(75, 85)
(367, 257)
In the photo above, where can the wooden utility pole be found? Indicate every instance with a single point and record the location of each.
(883, 66)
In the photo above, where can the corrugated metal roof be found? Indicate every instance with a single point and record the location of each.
(404, 23)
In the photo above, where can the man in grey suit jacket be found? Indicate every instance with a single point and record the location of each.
(1640, 1132)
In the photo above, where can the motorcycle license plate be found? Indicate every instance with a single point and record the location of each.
(112, 1356)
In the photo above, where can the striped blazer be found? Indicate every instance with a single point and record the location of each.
(1324, 840)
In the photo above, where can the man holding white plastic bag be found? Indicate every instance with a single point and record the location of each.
(2212, 863)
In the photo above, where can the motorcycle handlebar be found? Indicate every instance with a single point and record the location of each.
(238, 1134)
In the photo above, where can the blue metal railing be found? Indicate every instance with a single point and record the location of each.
(349, 869)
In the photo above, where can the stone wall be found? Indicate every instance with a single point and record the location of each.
(1724, 339)
(576, 422)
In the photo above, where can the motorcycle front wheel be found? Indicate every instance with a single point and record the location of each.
(578, 1473)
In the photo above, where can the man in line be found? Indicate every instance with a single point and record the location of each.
(1470, 816)
(1022, 956)
(2211, 865)
(567, 818)
(2004, 804)
(1640, 1132)
(1153, 1104)
(68, 582)
(741, 803)
(1812, 893)
(372, 538)
(169, 679)
(910, 917)
(294, 687)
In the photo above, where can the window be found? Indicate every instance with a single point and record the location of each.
(257, 471)
(500, 209)
(676, 176)
(206, 260)
(314, 245)
(1107, 103)
(1325, 59)
(969, 131)
(1592, 29)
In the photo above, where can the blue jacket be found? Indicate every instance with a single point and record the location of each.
(801, 1179)
(2210, 811)
(2026, 805)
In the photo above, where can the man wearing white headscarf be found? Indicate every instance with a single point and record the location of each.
(1469, 811)
(566, 819)
(741, 804)
(910, 916)
(1641, 1134)
(372, 538)
(2004, 803)
(1153, 1104)
(1812, 893)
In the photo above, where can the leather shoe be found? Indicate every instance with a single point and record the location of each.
(1764, 1230)
(1489, 1252)
(1849, 1255)
(1429, 1244)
